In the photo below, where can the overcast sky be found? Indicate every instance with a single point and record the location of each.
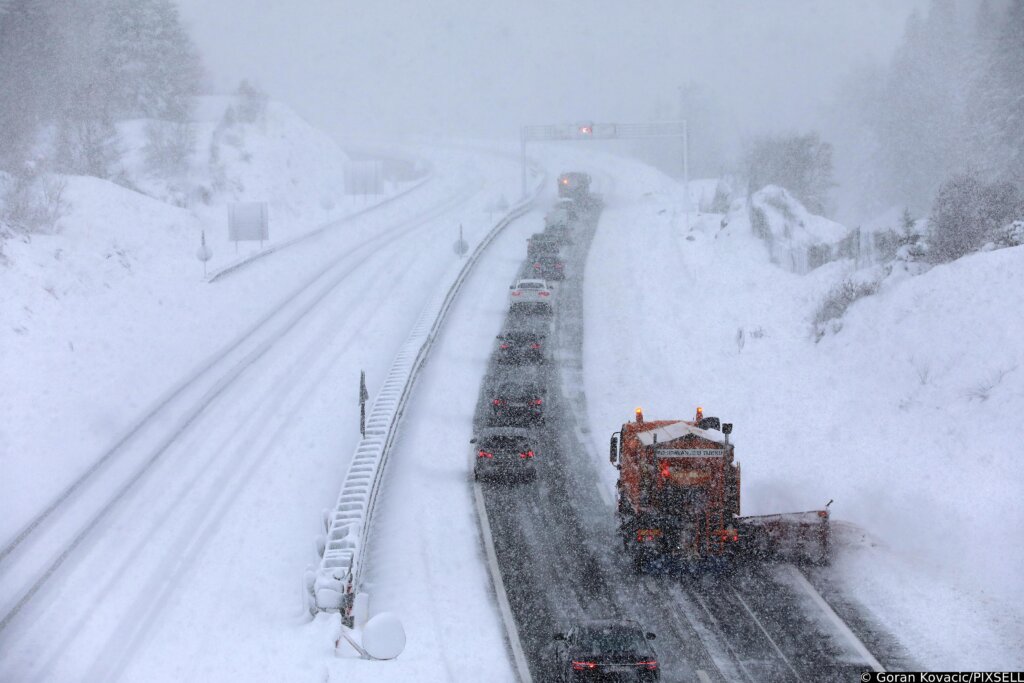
(459, 67)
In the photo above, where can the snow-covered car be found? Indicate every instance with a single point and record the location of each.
(507, 452)
(535, 294)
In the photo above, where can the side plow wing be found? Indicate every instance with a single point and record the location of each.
(798, 537)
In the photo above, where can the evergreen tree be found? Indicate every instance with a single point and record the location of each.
(999, 101)
(28, 58)
(967, 213)
(800, 163)
(920, 121)
(151, 60)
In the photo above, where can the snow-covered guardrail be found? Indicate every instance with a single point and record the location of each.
(335, 583)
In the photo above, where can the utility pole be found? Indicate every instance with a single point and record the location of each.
(522, 154)
(686, 170)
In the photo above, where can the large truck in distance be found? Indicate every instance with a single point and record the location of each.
(679, 502)
(574, 185)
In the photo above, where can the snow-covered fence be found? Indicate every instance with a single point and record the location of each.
(334, 585)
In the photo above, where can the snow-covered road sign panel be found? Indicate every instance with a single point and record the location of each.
(248, 221)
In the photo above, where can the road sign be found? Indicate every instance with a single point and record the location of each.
(204, 253)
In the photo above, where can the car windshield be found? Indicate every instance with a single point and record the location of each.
(613, 638)
(530, 285)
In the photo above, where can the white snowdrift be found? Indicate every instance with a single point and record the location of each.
(795, 238)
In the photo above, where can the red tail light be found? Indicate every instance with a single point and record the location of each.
(503, 346)
(583, 666)
(543, 293)
(650, 665)
(538, 401)
(559, 266)
(536, 266)
(516, 292)
(535, 346)
(526, 455)
(497, 402)
(484, 454)
(665, 472)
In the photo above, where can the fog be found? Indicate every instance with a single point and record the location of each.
(480, 69)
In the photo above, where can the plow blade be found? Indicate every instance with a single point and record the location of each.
(798, 537)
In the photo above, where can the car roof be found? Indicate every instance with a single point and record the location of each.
(504, 431)
(522, 332)
(597, 624)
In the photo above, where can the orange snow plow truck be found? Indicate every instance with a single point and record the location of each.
(679, 502)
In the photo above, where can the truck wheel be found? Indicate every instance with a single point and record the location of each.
(638, 563)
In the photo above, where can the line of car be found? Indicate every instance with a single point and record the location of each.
(506, 448)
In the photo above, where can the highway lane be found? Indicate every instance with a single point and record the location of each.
(561, 556)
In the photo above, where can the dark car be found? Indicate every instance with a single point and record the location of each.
(561, 234)
(505, 452)
(606, 650)
(518, 403)
(520, 347)
(549, 268)
(542, 244)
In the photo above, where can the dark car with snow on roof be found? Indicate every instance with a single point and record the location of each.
(521, 346)
(504, 452)
(518, 401)
(604, 650)
(549, 268)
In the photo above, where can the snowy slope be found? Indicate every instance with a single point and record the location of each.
(195, 574)
(905, 416)
(97, 315)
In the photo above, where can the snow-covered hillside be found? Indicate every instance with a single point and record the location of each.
(96, 313)
(905, 413)
(795, 238)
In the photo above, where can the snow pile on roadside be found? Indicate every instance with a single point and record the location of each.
(907, 416)
(796, 238)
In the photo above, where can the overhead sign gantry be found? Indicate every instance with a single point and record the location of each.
(588, 130)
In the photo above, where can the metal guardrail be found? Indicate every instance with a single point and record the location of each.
(335, 583)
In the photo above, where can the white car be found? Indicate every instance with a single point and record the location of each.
(531, 294)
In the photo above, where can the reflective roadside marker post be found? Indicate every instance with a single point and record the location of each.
(363, 395)
(204, 253)
(460, 246)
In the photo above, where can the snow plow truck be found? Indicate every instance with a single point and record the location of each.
(574, 185)
(679, 502)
